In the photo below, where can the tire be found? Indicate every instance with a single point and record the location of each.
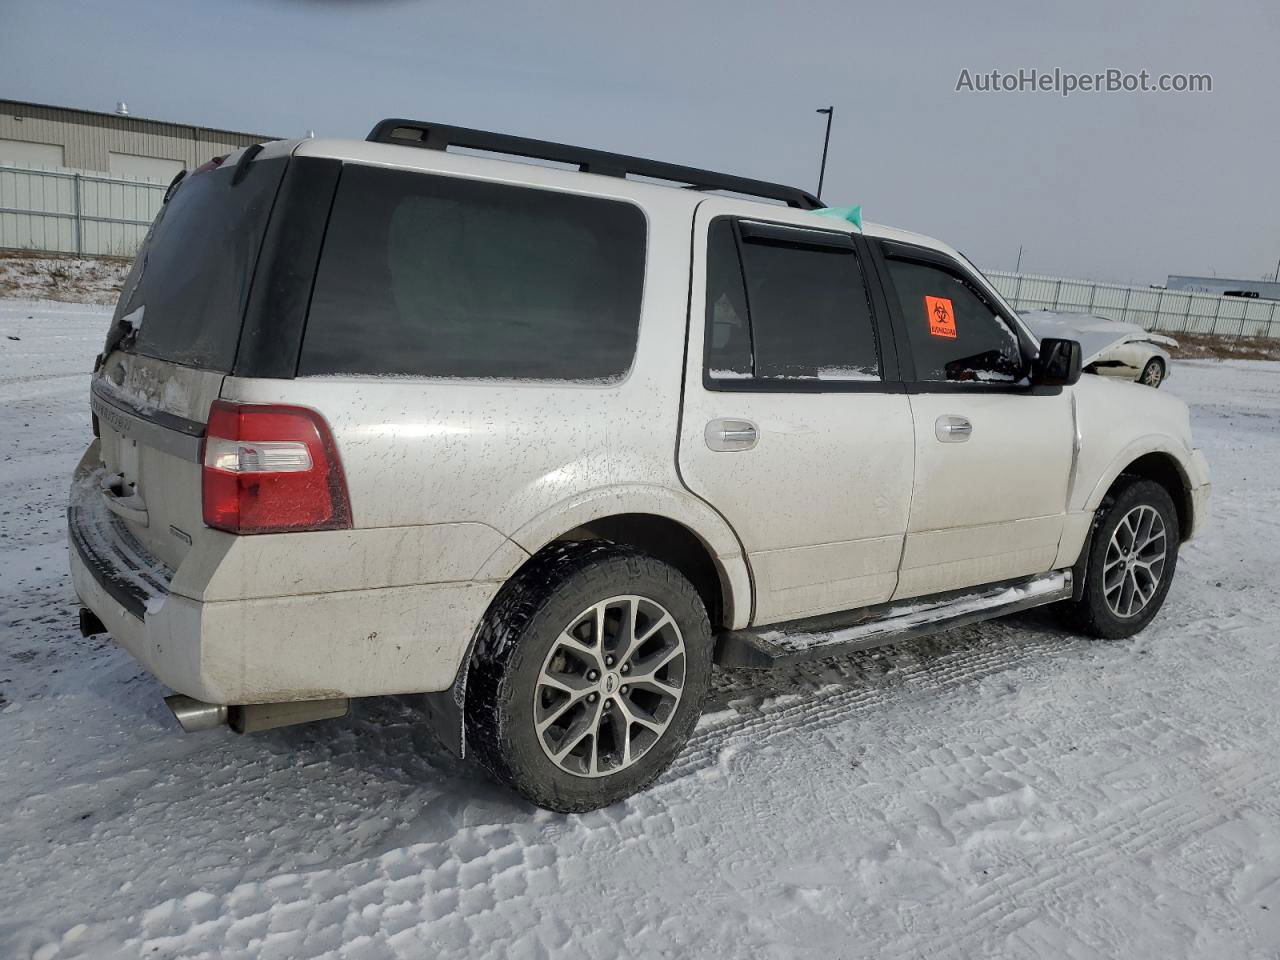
(534, 657)
(1111, 613)
(1153, 373)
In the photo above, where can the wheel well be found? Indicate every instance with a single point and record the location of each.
(668, 541)
(1164, 470)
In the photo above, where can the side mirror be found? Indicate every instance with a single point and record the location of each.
(1058, 364)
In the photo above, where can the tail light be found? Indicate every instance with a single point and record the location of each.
(271, 469)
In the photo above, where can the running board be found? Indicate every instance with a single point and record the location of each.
(817, 638)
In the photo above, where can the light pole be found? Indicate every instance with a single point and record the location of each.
(822, 171)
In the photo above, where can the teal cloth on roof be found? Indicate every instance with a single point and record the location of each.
(852, 214)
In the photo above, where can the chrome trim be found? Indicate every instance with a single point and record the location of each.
(176, 436)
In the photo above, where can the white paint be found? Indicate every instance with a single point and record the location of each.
(845, 499)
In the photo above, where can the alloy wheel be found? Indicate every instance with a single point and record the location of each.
(609, 686)
(1134, 561)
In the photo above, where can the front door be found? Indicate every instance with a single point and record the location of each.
(993, 455)
(795, 426)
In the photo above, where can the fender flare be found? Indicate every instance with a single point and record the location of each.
(695, 515)
(445, 709)
(1141, 447)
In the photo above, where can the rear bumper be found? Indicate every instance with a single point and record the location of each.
(342, 643)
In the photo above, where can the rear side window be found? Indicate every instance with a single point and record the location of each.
(442, 277)
(954, 334)
(186, 293)
(783, 308)
(728, 330)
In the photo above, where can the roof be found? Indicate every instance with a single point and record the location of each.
(515, 171)
(120, 120)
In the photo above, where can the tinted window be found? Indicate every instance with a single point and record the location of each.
(954, 334)
(809, 316)
(728, 332)
(438, 276)
(187, 290)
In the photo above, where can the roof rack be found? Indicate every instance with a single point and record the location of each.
(437, 136)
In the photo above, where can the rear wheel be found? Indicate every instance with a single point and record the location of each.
(1132, 558)
(588, 675)
(1153, 373)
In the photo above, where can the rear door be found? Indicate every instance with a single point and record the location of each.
(993, 455)
(795, 426)
(174, 337)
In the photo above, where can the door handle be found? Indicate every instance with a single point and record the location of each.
(724, 436)
(952, 429)
(122, 501)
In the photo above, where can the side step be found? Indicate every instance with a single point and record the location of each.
(833, 635)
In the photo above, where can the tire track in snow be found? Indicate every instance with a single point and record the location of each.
(804, 711)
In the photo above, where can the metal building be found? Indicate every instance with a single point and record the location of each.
(115, 144)
(1220, 286)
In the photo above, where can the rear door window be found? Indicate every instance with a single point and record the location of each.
(435, 276)
(185, 296)
(786, 304)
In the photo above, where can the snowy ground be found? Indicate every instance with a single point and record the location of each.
(69, 279)
(1008, 791)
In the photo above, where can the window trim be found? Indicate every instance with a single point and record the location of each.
(799, 235)
(884, 250)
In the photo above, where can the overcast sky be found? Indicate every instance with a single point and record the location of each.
(1119, 186)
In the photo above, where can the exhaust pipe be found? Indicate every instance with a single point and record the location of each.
(90, 625)
(193, 715)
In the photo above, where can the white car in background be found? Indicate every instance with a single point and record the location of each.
(1111, 348)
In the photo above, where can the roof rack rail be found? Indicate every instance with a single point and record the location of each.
(438, 136)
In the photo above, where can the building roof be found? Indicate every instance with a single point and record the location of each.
(99, 116)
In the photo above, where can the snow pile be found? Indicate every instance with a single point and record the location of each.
(68, 279)
(1007, 790)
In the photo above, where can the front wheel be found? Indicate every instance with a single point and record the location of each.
(1131, 561)
(588, 675)
(1152, 373)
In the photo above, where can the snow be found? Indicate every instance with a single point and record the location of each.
(107, 537)
(82, 279)
(1008, 790)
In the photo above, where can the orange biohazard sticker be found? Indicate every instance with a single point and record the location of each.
(942, 317)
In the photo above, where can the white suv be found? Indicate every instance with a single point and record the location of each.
(381, 418)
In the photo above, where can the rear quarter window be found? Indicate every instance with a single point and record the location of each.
(424, 275)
